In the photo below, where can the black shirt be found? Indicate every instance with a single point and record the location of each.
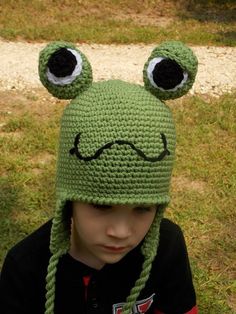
(83, 290)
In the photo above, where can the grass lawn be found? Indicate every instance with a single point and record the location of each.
(197, 22)
(203, 185)
(204, 180)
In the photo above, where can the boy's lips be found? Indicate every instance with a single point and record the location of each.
(117, 249)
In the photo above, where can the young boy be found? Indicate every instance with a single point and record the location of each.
(108, 248)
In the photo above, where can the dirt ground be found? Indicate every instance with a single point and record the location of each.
(19, 65)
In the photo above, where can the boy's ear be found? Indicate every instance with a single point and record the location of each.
(64, 70)
(170, 71)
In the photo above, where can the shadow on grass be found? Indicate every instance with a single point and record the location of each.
(10, 231)
(208, 11)
(218, 18)
(22, 213)
(226, 38)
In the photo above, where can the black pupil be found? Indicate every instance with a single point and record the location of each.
(167, 74)
(62, 63)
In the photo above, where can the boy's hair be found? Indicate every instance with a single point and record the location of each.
(117, 142)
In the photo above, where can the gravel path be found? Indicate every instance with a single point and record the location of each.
(216, 74)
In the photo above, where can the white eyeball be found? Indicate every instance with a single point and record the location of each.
(64, 66)
(166, 74)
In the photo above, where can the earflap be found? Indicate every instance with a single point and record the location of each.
(64, 70)
(60, 231)
(59, 245)
(170, 71)
(149, 251)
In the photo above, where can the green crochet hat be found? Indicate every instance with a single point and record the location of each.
(117, 141)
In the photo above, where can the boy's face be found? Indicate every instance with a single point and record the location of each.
(103, 234)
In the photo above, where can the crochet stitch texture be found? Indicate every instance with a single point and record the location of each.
(116, 146)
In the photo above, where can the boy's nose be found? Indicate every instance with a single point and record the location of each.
(119, 230)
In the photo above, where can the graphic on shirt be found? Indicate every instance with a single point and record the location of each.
(140, 307)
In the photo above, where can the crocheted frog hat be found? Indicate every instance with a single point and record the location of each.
(117, 141)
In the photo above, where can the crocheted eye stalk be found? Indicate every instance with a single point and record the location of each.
(170, 71)
(117, 142)
(64, 70)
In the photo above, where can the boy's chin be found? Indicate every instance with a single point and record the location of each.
(112, 258)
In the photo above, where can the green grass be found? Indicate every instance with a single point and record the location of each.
(194, 22)
(203, 187)
(204, 195)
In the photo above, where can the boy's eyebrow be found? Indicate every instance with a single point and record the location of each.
(101, 206)
(104, 206)
(143, 207)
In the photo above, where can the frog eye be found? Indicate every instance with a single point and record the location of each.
(64, 66)
(170, 71)
(64, 70)
(166, 74)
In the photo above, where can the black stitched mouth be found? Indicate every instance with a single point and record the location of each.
(75, 149)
